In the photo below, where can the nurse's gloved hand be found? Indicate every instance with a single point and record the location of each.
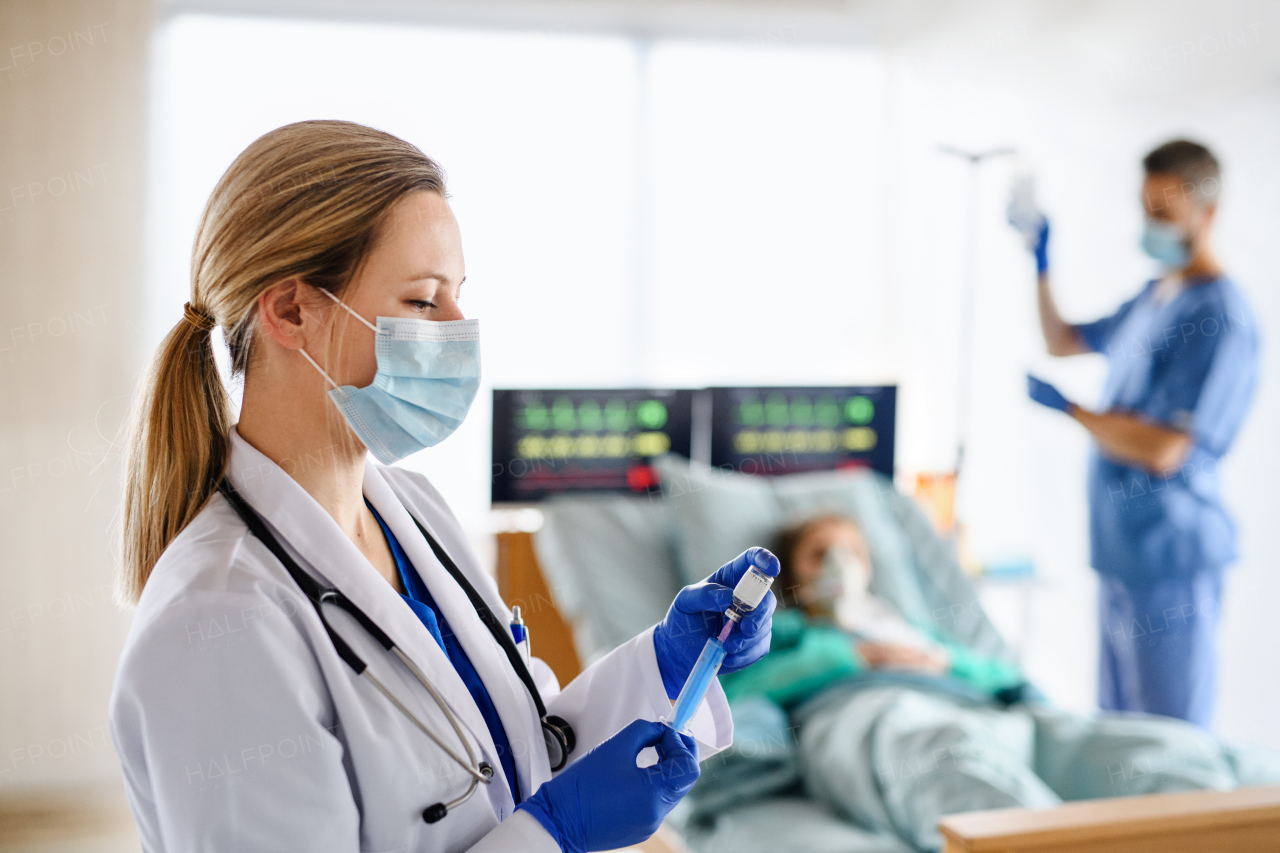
(1039, 246)
(1025, 215)
(698, 613)
(1046, 395)
(1036, 235)
(603, 801)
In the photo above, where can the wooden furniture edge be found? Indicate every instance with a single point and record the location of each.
(1112, 818)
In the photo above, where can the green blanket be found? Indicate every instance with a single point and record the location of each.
(806, 656)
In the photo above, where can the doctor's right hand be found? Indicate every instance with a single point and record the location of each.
(604, 801)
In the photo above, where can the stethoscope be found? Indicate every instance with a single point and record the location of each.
(557, 733)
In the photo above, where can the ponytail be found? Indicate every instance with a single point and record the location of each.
(304, 201)
(179, 435)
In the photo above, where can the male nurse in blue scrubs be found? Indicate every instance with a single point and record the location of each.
(1183, 365)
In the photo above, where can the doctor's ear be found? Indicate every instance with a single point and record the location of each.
(288, 311)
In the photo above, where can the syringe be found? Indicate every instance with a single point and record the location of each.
(747, 595)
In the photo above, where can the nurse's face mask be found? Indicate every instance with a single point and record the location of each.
(1176, 216)
(1167, 243)
(428, 375)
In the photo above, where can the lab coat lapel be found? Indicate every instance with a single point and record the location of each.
(311, 534)
(510, 698)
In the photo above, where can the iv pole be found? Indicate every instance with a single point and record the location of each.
(975, 160)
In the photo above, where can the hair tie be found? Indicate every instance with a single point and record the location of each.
(198, 317)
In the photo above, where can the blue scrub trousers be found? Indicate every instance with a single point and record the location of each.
(1159, 646)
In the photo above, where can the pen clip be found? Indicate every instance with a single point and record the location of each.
(520, 633)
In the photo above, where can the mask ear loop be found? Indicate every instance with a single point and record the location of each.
(349, 311)
(327, 377)
(305, 355)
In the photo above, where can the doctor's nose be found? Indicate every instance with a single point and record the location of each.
(446, 309)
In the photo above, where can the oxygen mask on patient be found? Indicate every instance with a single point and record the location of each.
(856, 607)
(851, 578)
(747, 595)
(843, 576)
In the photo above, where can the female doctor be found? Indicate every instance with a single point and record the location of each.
(318, 659)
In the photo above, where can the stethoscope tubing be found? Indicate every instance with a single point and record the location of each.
(320, 595)
(453, 720)
(477, 775)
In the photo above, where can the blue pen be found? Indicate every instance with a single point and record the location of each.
(520, 633)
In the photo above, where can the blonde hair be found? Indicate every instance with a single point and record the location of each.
(305, 200)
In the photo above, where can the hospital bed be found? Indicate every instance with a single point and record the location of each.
(605, 567)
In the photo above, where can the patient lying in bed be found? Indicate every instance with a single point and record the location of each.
(896, 725)
(831, 625)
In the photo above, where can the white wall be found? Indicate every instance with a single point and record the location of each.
(72, 165)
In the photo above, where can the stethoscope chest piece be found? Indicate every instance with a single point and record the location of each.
(560, 739)
(436, 811)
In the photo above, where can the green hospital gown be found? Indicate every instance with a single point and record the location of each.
(807, 655)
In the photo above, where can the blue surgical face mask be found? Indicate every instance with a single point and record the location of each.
(1165, 242)
(428, 375)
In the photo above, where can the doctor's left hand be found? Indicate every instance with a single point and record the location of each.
(697, 614)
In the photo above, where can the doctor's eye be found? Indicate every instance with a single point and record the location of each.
(421, 305)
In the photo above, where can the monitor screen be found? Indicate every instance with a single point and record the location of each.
(584, 440)
(790, 430)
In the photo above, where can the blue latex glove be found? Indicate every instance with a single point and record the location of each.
(1025, 215)
(602, 801)
(698, 613)
(1046, 395)
(1041, 246)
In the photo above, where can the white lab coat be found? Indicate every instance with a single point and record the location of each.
(240, 728)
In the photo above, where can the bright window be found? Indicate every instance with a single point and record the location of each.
(632, 212)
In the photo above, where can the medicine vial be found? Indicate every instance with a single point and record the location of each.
(749, 592)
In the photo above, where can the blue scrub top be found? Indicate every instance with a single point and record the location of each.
(1188, 364)
(424, 606)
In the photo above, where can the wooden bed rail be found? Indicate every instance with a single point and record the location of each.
(1240, 821)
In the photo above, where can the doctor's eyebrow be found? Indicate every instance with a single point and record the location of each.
(440, 277)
